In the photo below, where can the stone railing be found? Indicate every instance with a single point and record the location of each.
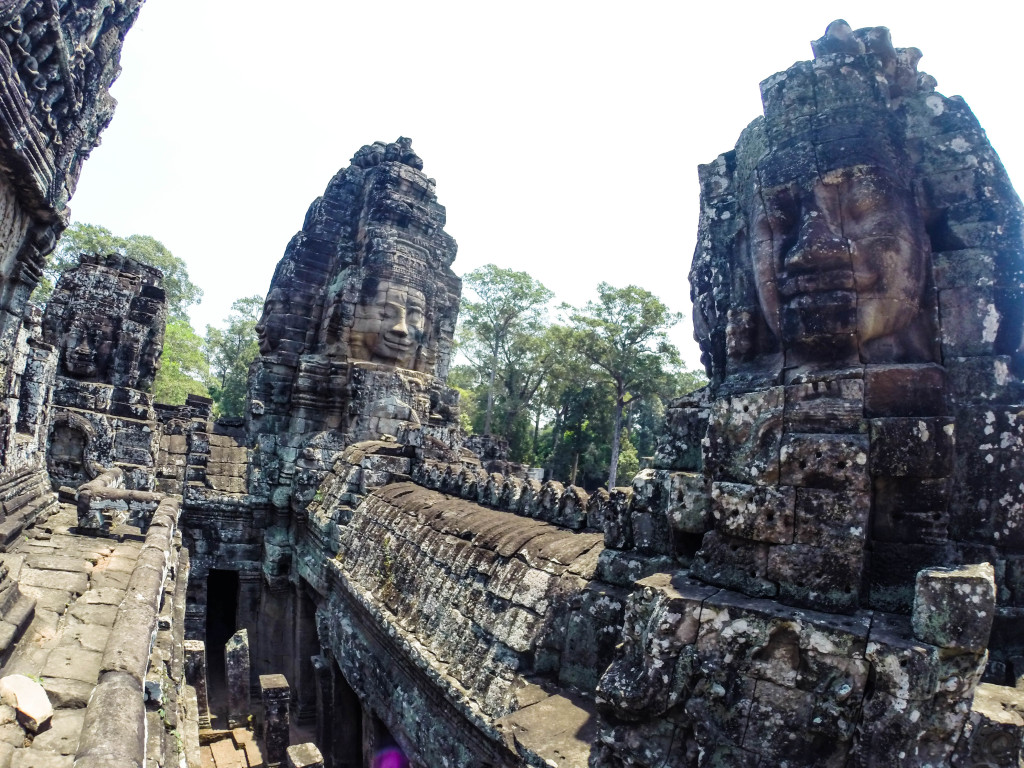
(104, 504)
(662, 515)
(553, 502)
(114, 731)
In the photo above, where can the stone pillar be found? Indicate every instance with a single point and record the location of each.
(195, 674)
(306, 645)
(305, 756)
(276, 697)
(236, 668)
(250, 584)
(324, 701)
(371, 735)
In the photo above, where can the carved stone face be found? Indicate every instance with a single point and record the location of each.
(838, 254)
(87, 351)
(388, 325)
(267, 331)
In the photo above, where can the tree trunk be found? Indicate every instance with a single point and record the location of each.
(490, 394)
(613, 470)
(536, 431)
(575, 467)
(555, 435)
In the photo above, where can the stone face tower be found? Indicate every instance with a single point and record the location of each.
(356, 334)
(845, 495)
(857, 292)
(106, 320)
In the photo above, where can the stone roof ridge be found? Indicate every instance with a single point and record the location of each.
(553, 502)
(125, 264)
(400, 151)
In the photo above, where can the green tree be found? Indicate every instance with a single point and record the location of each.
(624, 336)
(80, 238)
(230, 351)
(497, 331)
(183, 366)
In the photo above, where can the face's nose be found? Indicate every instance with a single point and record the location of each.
(817, 248)
(399, 327)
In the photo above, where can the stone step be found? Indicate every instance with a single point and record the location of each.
(15, 523)
(15, 621)
(225, 755)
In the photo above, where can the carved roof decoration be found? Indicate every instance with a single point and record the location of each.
(58, 59)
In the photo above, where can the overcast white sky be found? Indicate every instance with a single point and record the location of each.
(564, 136)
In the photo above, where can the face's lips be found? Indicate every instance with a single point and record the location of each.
(815, 282)
(400, 342)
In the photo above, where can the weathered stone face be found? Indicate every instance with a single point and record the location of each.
(86, 349)
(840, 254)
(827, 234)
(388, 324)
(107, 318)
(369, 274)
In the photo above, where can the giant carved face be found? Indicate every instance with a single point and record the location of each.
(87, 350)
(388, 324)
(841, 254)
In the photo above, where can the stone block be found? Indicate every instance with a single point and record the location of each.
(236, 668)
(597, 509)
(825, 406)
(831, 519)
(649, 513)
(679, 445)
(651, 490)
(689, 503)
(276, 695)
(970, 266)
(892, 568)
(758, 513)
(819, 577)
(744, 434)
(305, 756)
(572, 507)
(970, 321)
(904, 390)
(979, 379)
(996, 722)
(733, 563)
(912, 509)
(954, 607)
(832, 462)
(592, 632)
(29, 700)
(618, 524)
(912, 447)
(623, 568)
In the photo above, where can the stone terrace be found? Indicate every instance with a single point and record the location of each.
(98, 602)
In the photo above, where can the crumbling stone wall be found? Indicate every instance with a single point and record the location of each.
(57, 62)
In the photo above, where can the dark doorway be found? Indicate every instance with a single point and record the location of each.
(346, 730)
(221, 624)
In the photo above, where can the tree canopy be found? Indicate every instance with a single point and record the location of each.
(183, 366)
(231, 350)
(585, 396)
(624, 336)
(500, 335)
(80, 238)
